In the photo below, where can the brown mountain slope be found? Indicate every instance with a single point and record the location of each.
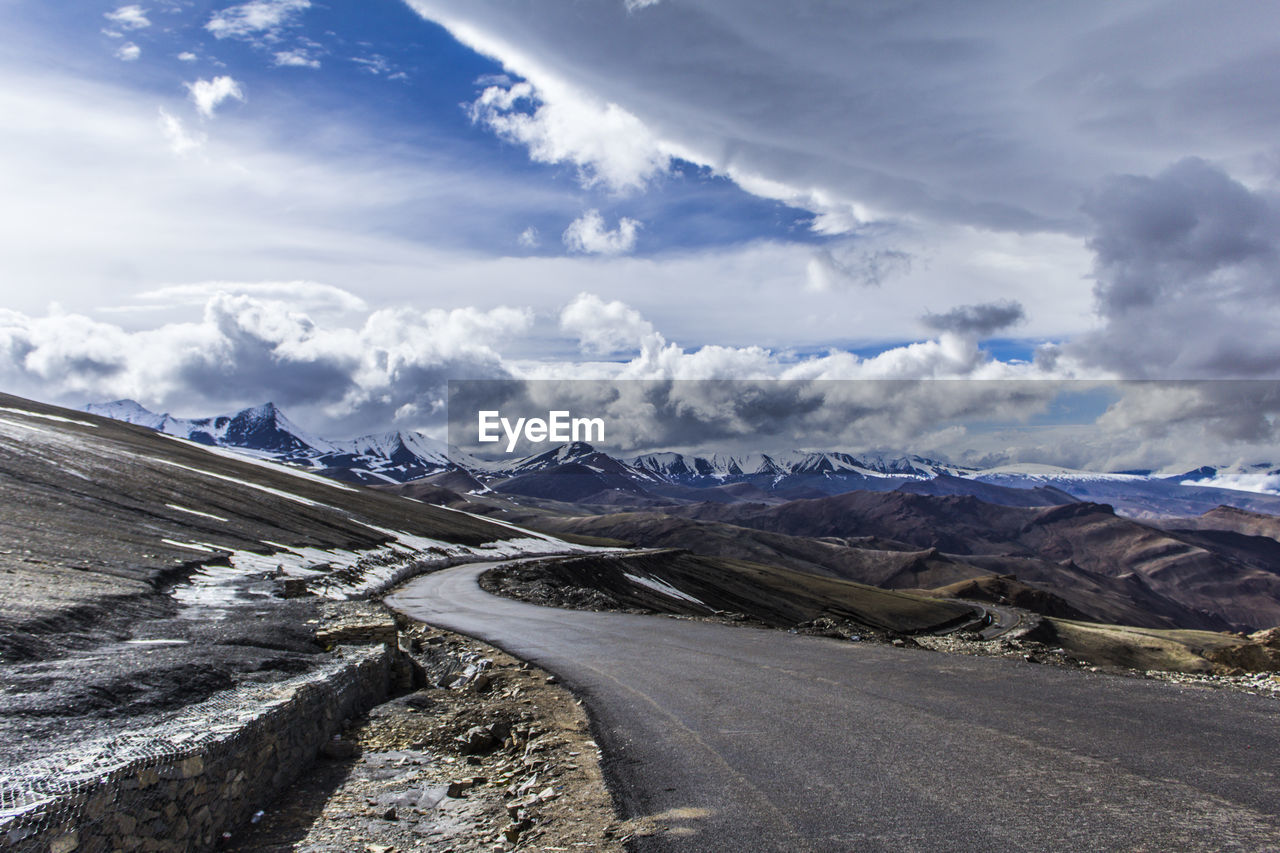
(1192, 571)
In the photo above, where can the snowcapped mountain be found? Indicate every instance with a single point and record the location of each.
(265, 431)
(262, 428)
(131, 412)
(579, 472)
(792, 468)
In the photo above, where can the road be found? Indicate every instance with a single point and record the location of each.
(739, 739)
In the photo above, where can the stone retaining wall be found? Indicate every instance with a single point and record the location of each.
(182, 785)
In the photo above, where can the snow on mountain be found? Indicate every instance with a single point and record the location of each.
(131, 412)
(693, 470)
(396, 457)
(266, 432)
(1034, 474)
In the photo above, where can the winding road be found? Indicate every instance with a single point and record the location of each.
(739, 739)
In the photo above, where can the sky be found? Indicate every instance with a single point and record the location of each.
(340, 206)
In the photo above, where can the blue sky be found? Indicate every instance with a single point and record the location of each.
(340, 206)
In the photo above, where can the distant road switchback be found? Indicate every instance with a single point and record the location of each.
(738, 739)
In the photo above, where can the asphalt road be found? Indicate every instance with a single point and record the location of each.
(739, 739)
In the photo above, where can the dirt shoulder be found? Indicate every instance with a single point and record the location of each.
(491, 754)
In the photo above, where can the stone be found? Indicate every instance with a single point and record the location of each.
(389, 814)
(477, 739)
(65, 843)
(338, 748)
(513, 831)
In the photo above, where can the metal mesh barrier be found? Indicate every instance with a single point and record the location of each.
(181, 783)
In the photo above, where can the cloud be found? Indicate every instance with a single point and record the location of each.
(588, 234)
(636, 5)
(180, 140)
(207, 95)
(128, 17)
(372, 64)
(529, 238)
(980, 321)
(297, 58)
(246, 349)
(924, 111)
(187, 56)
(309, 295)
(608, 146)
(128, 52)
(1187, 275)
(264, 19)
(859, 265)
(604, 328)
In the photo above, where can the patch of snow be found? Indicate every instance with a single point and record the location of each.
(663, 588)
(28, 427)
(262, 460)
(47, 417)
(1051, 473)
(196, 512)
(193, 546)
(277, 492)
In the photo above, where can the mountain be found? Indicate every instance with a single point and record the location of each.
(579, 473)
(265, 431)
(1137, 495)
(790, 472)
(946, 484)
(1214, 581)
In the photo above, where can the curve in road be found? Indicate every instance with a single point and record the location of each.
(741, 739)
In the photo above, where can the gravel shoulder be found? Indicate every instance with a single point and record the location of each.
(491, 755)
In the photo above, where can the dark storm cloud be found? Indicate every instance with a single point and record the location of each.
(1187, 275)
(989, 113)
(980, 320)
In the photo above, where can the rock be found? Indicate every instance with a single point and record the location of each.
(551, 679)
(477, 739)
(512, 832)
(338, 748)
(457, 788)
(65, 843)
(389, 814)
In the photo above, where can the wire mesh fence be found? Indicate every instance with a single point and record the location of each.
(183, 782)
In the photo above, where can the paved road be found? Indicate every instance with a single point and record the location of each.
(738, 739)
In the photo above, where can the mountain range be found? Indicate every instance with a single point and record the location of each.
(578, 473)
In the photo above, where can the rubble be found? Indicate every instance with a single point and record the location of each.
(452, 765)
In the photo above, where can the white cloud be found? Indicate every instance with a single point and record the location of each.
(589, 235)
(529, 238)
(297, 58)
(245, 349)
(373, 64)
(180, 140)
(257, 19)
(128, 52)
(1267, 484)
(605, 328)
(187, 56)
(634, 5)
(609, 146)
(129, 17)
(207, 95)
(310, 295)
